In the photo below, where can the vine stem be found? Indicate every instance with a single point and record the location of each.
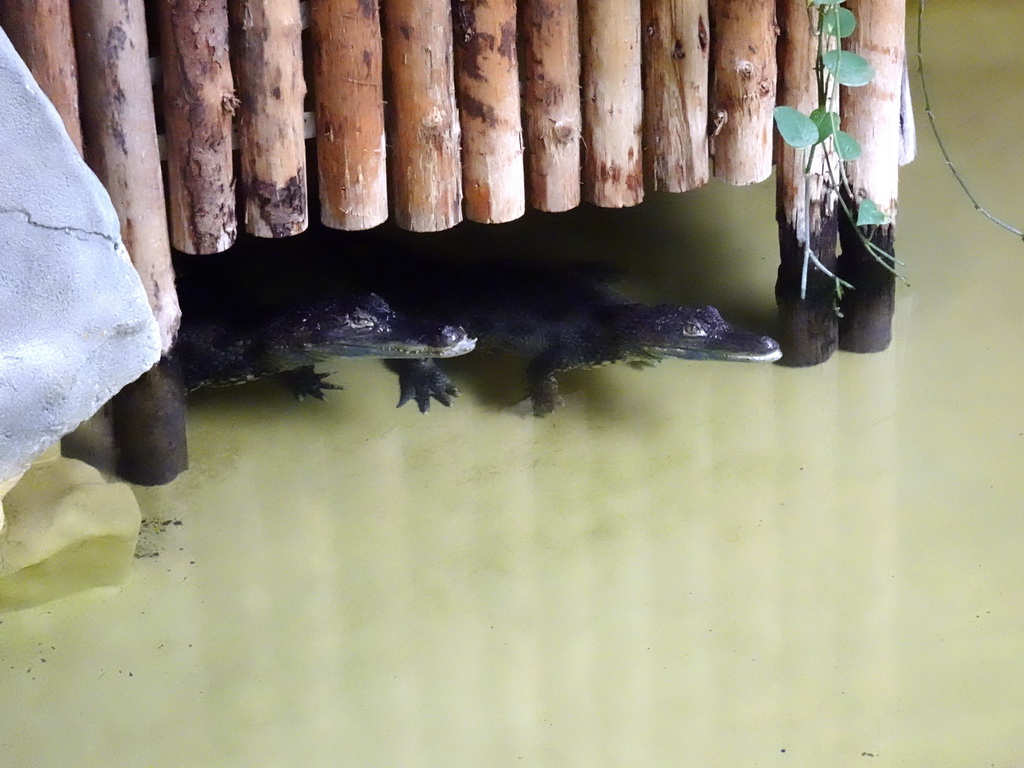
(938, 138)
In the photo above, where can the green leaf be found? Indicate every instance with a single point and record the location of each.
(846, 146)
(795, 127)
(827, 122)
(849, 68)
(844, 18)
(827, 2)
(868, 214)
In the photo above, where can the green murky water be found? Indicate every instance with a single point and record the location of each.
(700, 564)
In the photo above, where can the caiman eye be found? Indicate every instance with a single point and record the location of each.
(360, 319)
(692, 328)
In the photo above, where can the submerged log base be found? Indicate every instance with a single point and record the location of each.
(93, 442)
(809, 326)
(149, 426)
(866, 325)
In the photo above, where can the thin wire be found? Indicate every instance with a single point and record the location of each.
(938, 139)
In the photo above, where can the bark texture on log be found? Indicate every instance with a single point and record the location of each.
(676, 43)
(266, 40)
(551, 103)
(806, 204)
(612, 102)
(425, 168)
(349, 92)
(199, 101)
(487, 86)
(743, 89)
(40, 31)
(119, 130)
(871, 114)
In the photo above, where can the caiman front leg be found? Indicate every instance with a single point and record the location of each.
(540, 378)
(420, 379)
(304, 381)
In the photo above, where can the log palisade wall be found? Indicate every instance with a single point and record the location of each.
(431, 111)
(427, 112)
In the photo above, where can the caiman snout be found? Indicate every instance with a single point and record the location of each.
(454, 341)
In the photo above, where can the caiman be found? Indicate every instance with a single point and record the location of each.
(561, 318)
(230, 347)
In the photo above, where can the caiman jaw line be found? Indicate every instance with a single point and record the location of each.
(763, 357)
(398, 351)
(461, 348)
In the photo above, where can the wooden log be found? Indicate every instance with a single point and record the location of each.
(423, 124)
(40, 31)
(199, 101)
(551, 102)
(871, 114)
(743, 89)
(349, 92)
(676, 44)
(806, 205)
(93, 441)
(119, 130)
(149, 426)
(612, 102)
(487, 90)
(266, 42)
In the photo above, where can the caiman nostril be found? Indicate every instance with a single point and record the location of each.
(451, 334)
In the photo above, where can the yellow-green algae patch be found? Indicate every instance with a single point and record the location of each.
(67, 529)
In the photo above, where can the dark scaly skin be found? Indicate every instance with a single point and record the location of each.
(235, 346)
(560, 318)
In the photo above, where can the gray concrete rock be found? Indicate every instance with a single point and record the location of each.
(75, 325)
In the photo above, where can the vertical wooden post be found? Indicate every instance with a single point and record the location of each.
(40, 31)
(676, 43)
(551, 102)
(423, 125)
(149, 426)
(743, 89)
(487, 86)
(119, 130)
(349, 91)
(612, 102)
(266, 40)
(871, 114)
(806, 204)
(199, 100)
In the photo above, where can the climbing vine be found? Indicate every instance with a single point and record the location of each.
(820, 131)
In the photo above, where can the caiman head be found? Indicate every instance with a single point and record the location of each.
(666, 330)
(360, 326)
